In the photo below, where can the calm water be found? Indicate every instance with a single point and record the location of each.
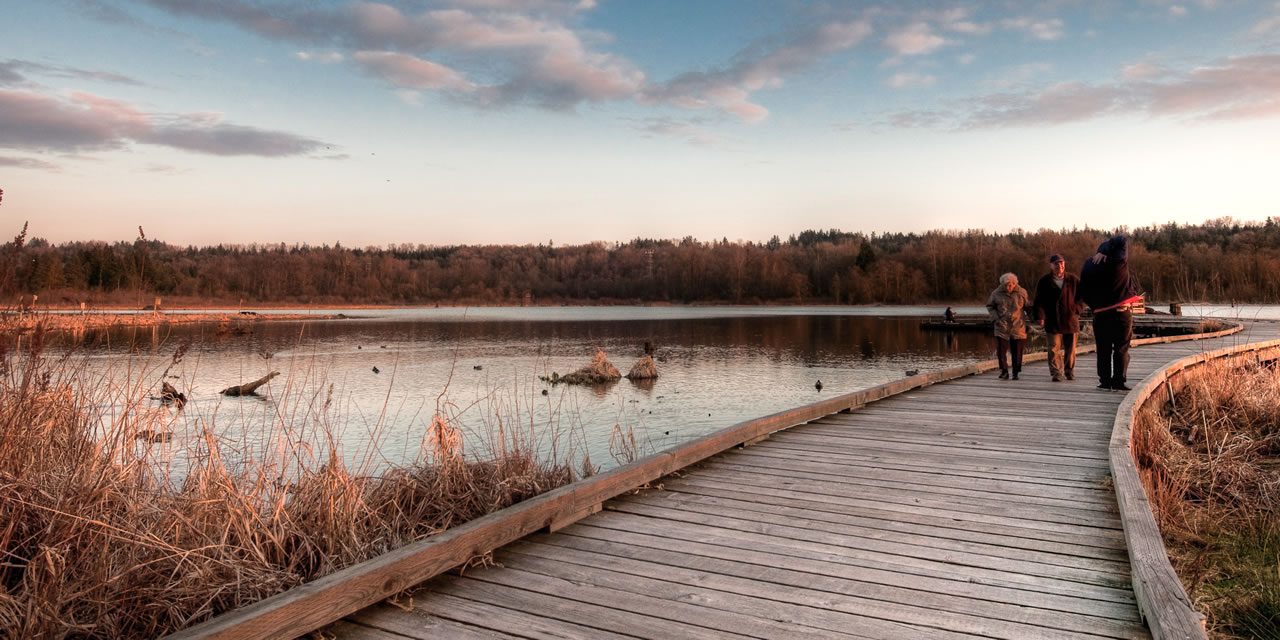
(717, 366)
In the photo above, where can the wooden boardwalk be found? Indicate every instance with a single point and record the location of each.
(973, 508)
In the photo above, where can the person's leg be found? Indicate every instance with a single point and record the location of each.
(1102, 336)
(1120, 354)
(1002, 356)
(1015, 346)
(1053, 344)
(1069, 355)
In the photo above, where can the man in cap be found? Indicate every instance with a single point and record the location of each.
(1058, 312)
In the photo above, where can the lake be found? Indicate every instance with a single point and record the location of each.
(481, 367)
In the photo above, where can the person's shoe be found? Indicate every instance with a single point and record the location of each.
(1105, 386)
(1004, 375)
(1120, 386)
(1015, 376)
(1056, 378)
(1070, 376)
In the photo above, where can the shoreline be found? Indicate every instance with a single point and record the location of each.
(107, 319)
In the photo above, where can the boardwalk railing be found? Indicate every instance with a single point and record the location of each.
(328, 599)
(1163, 602)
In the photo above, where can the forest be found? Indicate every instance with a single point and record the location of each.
(1220, 260)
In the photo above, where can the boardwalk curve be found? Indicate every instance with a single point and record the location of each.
(974, 508)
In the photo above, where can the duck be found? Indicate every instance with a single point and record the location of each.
(375, 370)
(818, 385)
(913, 372)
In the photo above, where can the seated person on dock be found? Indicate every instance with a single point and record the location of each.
(948, 315)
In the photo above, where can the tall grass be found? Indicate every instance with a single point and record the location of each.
(97, 540)
(1211, 459)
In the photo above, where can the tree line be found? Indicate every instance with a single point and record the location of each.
(1221, 260)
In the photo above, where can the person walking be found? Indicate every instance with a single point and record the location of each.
(1058, 312)
(1108, 288)
(1006, 305)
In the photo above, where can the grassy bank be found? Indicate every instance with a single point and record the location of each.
(96, 540)
(1214, 478)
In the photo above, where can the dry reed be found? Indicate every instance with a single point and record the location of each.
(96, 542)
(1210, 458)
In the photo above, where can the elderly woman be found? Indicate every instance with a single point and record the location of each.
(1006, 305)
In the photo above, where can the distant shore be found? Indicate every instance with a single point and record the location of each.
(64, 320)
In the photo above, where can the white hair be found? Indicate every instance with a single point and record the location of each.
(1004, 279)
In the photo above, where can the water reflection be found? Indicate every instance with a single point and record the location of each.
(713, 371)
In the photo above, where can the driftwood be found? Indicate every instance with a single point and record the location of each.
(251, 388)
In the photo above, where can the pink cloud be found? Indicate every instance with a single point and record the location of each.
(914, 39)
(84, 122)
(411, 72)
(1233, 88)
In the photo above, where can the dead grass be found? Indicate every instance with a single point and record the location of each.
(95, 543)
(1211, 462)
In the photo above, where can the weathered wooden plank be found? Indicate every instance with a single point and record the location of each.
(704, 599)
(417, 623)
(991, 505)
(927, 537)
(495, 619)
(863, 581)
(821, 591)
(854, 438)
(798, 606)
(898, 521)
(852, 542)
(682, 612)
(812, 471)
(784, 554)
(1012, 486)
(550, 603)
(354, 631)
(1100, 536)
(929, 465)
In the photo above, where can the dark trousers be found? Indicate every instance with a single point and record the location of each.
(1113, 330)
(1006, 348)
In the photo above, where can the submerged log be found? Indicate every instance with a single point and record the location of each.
(251, 388)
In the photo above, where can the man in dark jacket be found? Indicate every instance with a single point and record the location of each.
(1059, 313)
(1105, 285)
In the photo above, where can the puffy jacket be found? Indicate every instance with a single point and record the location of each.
(1007, 313)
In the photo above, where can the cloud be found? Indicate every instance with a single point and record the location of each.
(760, 66)
(966, 58)
(1177, 10)
(690, 130)
(910, 80)
(1242, 87)
(28, 163)
(13, 72)
(85, 122)
(323, 57)
(1047, 29)
(1144, 71)
(914, 39)
(526, 47)
(409, 72)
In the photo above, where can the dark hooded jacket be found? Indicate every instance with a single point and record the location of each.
(1056, 306)
(1107, 283)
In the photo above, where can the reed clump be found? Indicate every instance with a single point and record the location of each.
(1211, 461)
(95, 543)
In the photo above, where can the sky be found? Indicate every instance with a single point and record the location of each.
(571, 121)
